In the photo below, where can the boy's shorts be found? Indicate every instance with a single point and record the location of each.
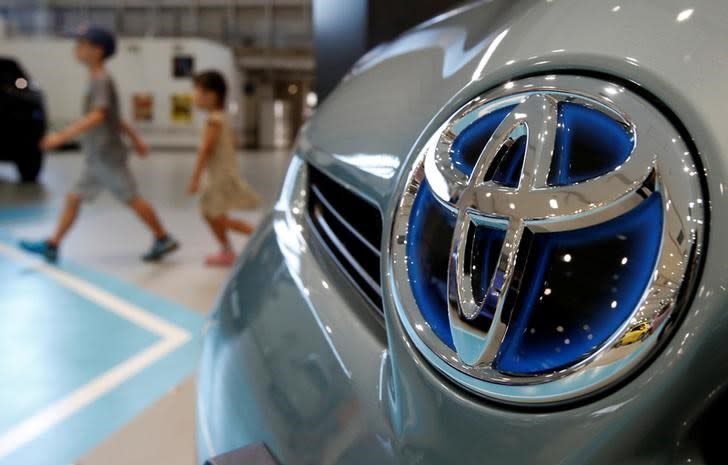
(116, 178)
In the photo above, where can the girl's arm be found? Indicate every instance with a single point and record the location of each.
(136, 140)
(209, 140)
(56, 139)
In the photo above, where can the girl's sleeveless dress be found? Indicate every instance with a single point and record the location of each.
(222, 188)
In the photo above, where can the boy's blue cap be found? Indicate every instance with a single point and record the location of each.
(100, 37)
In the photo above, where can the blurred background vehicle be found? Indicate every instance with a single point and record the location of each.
(22, 120)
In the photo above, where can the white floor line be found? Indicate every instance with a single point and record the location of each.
(172, 338)
(114, 304)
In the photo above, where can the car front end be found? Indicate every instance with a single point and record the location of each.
(323, 346)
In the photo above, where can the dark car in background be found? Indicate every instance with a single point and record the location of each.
(22, 120)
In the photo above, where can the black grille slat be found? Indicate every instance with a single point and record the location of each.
(351, 229)
(341, 220)
(341, 249)
(342, 237)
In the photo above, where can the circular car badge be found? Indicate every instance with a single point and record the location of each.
(549, 233)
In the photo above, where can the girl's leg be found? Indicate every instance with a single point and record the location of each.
(240, 226)
(226, 256)
(219, 230)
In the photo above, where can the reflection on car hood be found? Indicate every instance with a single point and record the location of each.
(377, 115)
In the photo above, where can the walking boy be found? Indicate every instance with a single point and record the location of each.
(106, 156)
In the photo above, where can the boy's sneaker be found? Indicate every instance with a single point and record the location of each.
(42, 248)
(160, 249)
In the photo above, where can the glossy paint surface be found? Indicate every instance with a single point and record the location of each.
(365, 390)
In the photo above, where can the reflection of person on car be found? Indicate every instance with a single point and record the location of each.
(106, 156)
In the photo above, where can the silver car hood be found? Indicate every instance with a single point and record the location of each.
(673, 49)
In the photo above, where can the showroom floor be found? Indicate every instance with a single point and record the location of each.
(104, 347)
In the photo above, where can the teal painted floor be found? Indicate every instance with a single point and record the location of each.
(98, 354)
(82, 354)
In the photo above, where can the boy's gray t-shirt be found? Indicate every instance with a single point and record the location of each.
(103, 142)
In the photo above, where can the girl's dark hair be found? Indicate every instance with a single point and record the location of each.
(212, 81)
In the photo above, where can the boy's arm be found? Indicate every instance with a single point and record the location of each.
(56, 139)
(139, 145)
(209, 139)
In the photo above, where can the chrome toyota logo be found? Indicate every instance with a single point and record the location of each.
(548, 236)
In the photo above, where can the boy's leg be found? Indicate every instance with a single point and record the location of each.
(240, 226)
(67, 218)
(49, 248)
(87, 188)
(163, 244)
(119, 180)
(147, 214)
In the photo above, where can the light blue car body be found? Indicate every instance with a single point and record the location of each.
(294, 357)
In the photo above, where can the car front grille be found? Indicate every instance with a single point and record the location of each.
(351, 229)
